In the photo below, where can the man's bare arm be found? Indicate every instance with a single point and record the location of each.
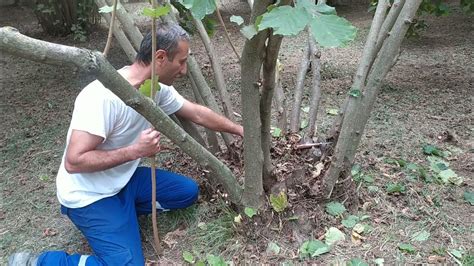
(206, 117)
(82, 155)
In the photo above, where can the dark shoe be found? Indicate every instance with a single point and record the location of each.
(23, 259)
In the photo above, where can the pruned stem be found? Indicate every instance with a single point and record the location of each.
(226, 32)
(112, 22)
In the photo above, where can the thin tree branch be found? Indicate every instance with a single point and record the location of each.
(218, 13)
(111, 27)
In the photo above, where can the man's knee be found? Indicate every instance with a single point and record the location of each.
(190, 192)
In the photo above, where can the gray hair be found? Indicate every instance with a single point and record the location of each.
(168, 35)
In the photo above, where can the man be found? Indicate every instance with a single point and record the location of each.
(99, 184)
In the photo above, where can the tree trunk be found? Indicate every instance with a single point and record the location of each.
(315, 55)
(280, 105)
(268, 86)
(216, 66)
(212, 142)
(95, 64)
(195, 73)
(295, 111)
(358, 108)
(251, 63)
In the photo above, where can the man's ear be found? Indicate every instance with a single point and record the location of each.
(160, 56)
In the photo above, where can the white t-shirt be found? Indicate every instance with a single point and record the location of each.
(100, 112)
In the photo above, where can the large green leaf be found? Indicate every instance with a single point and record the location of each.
(335, 208)
(332, 31)
(279, 202)
(333, 235)
(199, 8)
(313, 248)
(285, 20)
(314, 9)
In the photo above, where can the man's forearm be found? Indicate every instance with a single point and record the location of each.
(220, 123)
(98, 160)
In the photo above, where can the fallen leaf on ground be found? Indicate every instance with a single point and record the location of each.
(436, 259)
(50, 232)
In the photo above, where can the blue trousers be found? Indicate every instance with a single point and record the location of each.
(111, 225)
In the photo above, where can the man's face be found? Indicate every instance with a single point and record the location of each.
(170, 70)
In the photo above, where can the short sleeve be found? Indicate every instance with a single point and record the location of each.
(168, 99)
(93, 113)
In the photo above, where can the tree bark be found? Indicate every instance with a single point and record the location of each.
(96, 65)
(268, 87)
(251, 63)
(213, 143)
(370, 51)
(280, 105)
(195, 73)
(358, 108)
(216, 66)
(295, 111)
(315, 55)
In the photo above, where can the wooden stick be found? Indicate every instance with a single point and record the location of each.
(156, 235)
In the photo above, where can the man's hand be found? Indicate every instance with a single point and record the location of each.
(148, 144)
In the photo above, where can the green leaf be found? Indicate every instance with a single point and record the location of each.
(273, 248)
(432, 150)
(332, 31)
(157, 12)
(335, 208)
(355, 93)
(200, 263)
(395, 188)
(355, 170)
(305, 109)
(249, 31)
(188, 257)
(315, 10)
(456, 253)
(373, 189)
(250, 212)
(357, 262)
(285, 20)
(279, 202)
(216, 260)
(237, 20)
(332, 111)
(145, 88)
(350, 221)
(449, 176)
(469, 197)
(368, 179)
(304, 123)
(379, 261)
(421, 236)
(276, 132)
(199, 8)
(313, 248)
(406, 248)
(437, 165)
(44, 178)
(109, 9)
(333, 235)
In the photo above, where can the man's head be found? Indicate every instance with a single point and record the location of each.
(172, 47)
